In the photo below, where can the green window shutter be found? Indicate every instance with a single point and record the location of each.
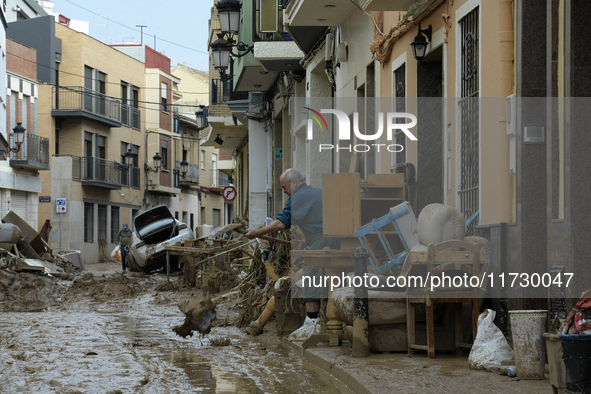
(269, 14)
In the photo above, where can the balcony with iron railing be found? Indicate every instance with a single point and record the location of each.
(221, 179)
(33, 153)
(130, 116)
(107, 174)
(221, 92)
(77, 102)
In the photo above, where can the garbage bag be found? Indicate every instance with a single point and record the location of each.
(309, 328)
(490, 347)
(114, 252)
(578, 321)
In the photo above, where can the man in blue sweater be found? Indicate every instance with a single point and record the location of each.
(304, 209)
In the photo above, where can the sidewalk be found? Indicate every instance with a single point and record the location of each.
(396, 372)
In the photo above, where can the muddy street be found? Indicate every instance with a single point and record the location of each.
(111, 332)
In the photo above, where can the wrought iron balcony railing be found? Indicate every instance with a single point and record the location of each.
(93, 171)
(34, 152)
(80, 102)
(130, 116)
(221, 92)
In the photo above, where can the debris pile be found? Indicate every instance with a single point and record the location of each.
(28, 267)
(249, 269)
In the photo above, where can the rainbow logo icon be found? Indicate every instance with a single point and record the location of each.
(317, 117)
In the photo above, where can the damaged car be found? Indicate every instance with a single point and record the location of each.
(155, 229)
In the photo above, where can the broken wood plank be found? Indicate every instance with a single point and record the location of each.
(252, 256)
(20, 268)
(28, 251)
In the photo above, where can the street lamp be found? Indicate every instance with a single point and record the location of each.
(19, 137)
(184, 168)
(157, 163)
(129, 157)
(419, 45)
(221, 49)
(229, 15)
(201, 117)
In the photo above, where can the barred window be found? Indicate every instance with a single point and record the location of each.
(469, 110)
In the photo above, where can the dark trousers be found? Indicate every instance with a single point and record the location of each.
(123, 256)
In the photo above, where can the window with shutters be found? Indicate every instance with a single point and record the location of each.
(216, 217)
(88, 222)
(114, 224)
(102, 223)
(163, 91)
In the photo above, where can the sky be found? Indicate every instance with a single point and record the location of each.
(180, 26)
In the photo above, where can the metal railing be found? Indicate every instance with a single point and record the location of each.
(34, 148)
(221, 92)
(221, 178)
(130, 176)
(79, 98)
(130, 116)
(88, 168)
(101, 170)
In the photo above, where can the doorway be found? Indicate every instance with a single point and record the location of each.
(430, 129)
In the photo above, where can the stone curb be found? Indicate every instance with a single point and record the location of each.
(341, 379)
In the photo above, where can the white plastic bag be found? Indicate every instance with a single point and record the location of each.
(114, 252)
(309, 328)
(490, 346)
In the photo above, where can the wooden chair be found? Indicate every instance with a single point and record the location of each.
(466, 259)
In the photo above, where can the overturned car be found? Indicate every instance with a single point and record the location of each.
(155, 229)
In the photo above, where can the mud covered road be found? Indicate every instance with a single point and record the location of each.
(109, 332)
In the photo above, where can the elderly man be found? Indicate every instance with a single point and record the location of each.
(304, 209)
(125, 238)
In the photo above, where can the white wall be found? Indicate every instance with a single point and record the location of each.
(259, 175)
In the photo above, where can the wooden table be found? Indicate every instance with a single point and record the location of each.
(333, 262)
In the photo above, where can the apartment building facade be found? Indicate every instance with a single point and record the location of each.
(27, 156)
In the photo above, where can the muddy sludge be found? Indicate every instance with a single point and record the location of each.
(113, 333)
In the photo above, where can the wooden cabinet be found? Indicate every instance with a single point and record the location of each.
(347, 203)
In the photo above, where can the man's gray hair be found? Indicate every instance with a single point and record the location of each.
(293, 175)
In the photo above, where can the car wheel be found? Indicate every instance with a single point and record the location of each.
(132, 265)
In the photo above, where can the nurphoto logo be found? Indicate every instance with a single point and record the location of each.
(394, 121)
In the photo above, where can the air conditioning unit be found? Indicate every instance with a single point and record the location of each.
(534, 134)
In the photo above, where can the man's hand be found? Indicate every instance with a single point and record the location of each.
(277, 225)
(251, 233)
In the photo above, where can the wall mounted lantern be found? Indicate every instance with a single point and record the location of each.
(419, 45)
(19, 137)
(129, 157)
(157, 163)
